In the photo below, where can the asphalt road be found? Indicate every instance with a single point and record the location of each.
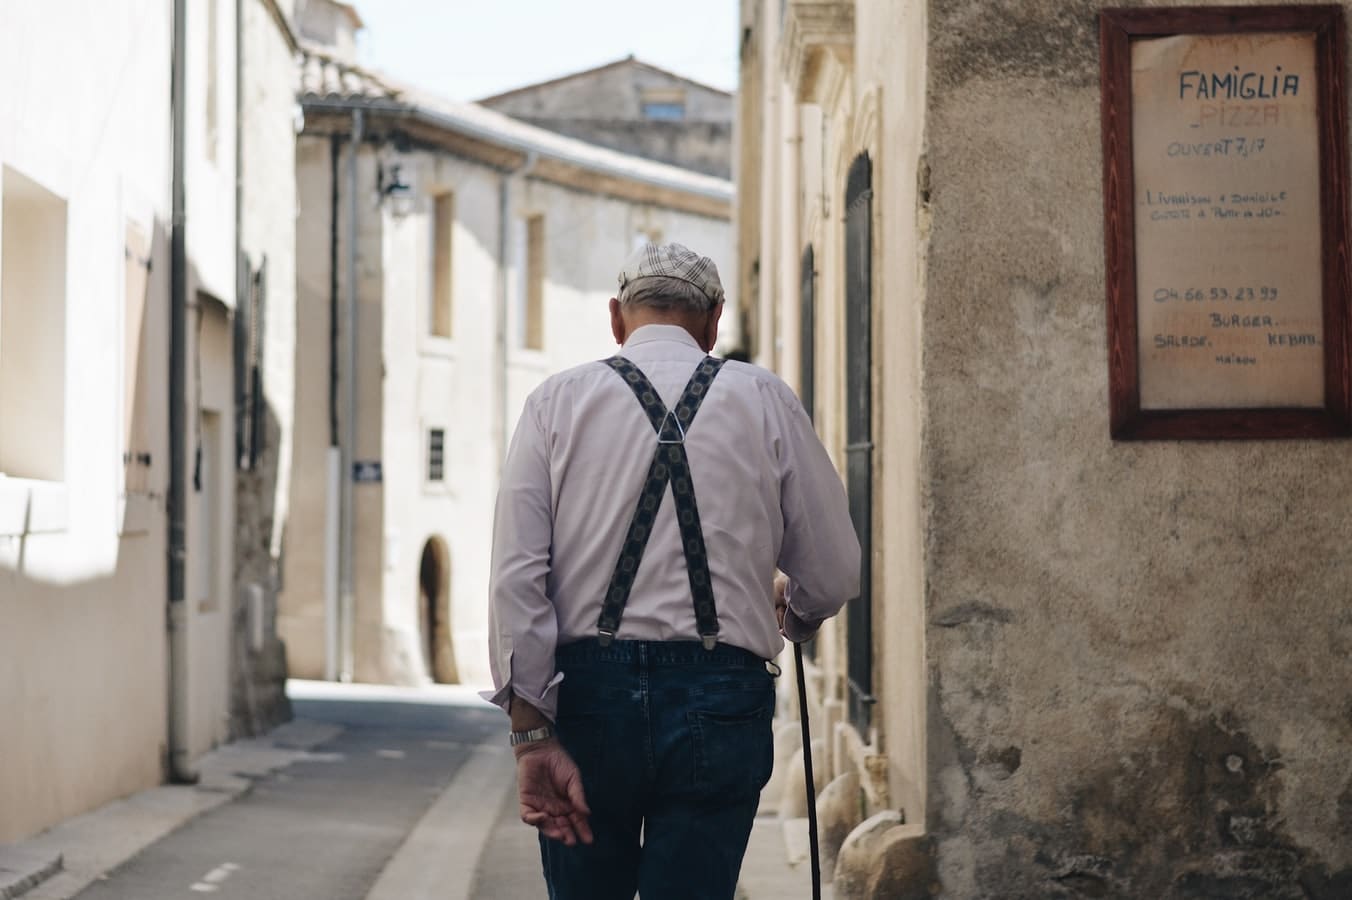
(322, 828)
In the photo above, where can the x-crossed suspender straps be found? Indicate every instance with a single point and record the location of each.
(670, 463)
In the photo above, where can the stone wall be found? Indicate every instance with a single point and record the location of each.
(701, 146)
(1138, 652)
(605, 106)
(268, 221)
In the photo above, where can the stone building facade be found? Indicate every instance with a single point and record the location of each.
(476, 253)
(635, 108)
(1084, 667)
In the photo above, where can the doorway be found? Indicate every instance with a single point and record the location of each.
(434, 612)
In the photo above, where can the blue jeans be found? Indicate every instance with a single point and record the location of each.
(674, 743)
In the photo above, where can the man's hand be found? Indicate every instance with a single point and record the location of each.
(549, 787)
(791, 627)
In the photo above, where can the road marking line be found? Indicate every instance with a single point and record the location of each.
(220, 873)
(391, 754)
(203, 888)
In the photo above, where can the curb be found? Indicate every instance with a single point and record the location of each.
(65, 859)
(22, 870)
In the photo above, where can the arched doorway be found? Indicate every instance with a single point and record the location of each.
(434, 612)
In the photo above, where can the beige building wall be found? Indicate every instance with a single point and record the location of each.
(1094, 676)
(301, 618)
(82, 557)
(413, 381)
(210, 165)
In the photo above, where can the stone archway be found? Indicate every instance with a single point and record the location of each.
(434, 612)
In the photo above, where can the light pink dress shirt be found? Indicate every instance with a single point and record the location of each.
(768, 497)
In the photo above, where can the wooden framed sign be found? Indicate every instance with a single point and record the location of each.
(1225, 222)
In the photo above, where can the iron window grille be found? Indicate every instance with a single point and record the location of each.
(436, 454)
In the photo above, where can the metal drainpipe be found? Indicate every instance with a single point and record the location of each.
(334, 454)
(509, 176)
(179, 769)
(347, 599)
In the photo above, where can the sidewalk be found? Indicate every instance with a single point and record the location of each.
(768, 873)
(65, 859)
(469, 844)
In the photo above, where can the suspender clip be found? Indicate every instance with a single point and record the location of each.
(663, 431)
(709, 640)
(604, 637)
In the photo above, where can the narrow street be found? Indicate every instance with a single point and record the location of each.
(327, 825)
(370, 793)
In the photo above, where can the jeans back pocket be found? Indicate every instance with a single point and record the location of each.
(733, 742)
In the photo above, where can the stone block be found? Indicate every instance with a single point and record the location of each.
(793, 790)
(883, 859)
(839, 809)
(788, 744)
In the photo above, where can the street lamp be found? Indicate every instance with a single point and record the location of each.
(395, 191)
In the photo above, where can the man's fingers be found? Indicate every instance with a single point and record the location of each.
(559, 830)
(582, 827)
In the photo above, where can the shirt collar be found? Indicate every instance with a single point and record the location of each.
(649, 333)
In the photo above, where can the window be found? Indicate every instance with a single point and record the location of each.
(443, 220)
(673, 112)
(807, 357)
(32, 330)
(644, 236)
(535, 283)
(859, 428)
(665, 104)
(436, 454)
(807, 334)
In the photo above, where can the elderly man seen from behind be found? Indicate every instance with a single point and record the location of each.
(631, 634)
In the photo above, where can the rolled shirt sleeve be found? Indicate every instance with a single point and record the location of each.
(523, 626)
(820, 551)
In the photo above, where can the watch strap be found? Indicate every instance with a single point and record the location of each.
(533, 736)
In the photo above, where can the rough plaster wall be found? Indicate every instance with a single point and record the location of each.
(1139, 653)
(702, 146)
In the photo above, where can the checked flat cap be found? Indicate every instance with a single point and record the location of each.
(674, 261)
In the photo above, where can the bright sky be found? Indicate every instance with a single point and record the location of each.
(470, 49)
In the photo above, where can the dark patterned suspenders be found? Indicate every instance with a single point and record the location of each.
(670, 463)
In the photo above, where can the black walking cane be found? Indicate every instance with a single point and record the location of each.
(807, 773)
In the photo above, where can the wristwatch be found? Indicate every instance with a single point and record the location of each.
(534, 736)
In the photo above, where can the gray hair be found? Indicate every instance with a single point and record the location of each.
(665, 292)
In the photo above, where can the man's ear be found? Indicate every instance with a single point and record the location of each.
(711, 329)
(617, 321)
